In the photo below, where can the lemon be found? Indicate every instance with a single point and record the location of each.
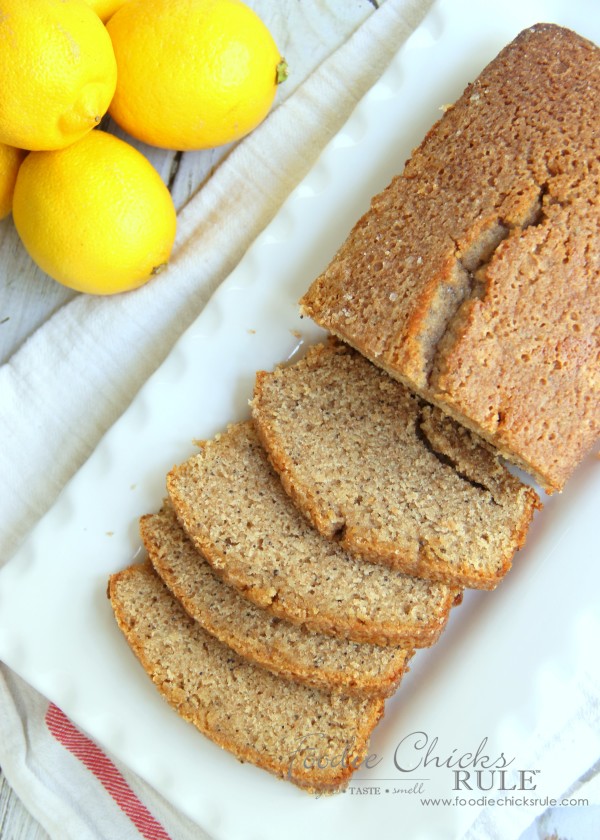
(105, 8)
(95, 216)
(10, 160)
(57, 72)
(192, 74)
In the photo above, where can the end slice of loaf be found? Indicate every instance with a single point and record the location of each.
(232, 506)
(473, 277)
(392, 479)
(285, 649)
(276, 724)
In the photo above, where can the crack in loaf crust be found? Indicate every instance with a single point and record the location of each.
(473, 278)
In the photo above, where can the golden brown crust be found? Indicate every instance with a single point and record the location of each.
(473, 278)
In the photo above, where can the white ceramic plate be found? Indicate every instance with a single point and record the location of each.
(505, 662)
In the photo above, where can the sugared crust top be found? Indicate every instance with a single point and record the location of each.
(474, 276)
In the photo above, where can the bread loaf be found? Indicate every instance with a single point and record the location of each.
(473, 277)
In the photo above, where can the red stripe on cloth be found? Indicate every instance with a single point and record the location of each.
(105, 771)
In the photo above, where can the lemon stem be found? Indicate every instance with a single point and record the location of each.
(281, 72)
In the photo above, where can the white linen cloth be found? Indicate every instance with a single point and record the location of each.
(74, 377)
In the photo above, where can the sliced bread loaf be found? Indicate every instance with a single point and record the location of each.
(390, 478)
(274, 723)
(233, 507)
(286, 649)
(473, 277)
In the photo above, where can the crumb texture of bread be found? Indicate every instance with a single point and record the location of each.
(259, 717)
(391, 478)
(473, 277)
(286, 649)
(233, 507)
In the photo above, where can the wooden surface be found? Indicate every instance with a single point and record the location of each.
(306, 31)
(15, 822)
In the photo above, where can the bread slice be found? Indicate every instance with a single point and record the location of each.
(390, 478)
(233, 507)
(285, 649)
(473, 278)
(276, 724)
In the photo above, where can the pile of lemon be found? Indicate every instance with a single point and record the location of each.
(178, 74)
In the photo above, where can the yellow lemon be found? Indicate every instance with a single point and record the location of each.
(57, 72)
(105, 8)
(10, 160)
(192, 74)
(95, 216)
